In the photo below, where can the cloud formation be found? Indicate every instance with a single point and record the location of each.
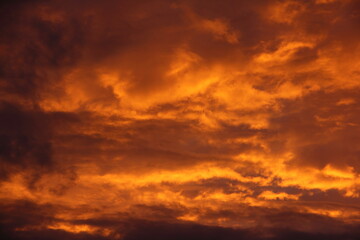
(180, 119)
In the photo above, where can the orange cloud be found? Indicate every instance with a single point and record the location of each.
(121, 119)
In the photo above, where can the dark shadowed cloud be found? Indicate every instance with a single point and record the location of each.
(180, 119)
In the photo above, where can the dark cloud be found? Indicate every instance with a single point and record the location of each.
(36, 49)
(331, 196)
(158, 230)
(320, 130)
(26, 220)
(26, 143)
(136, 95)
(25, 138)
(141, 148)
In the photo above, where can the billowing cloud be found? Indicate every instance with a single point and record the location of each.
(180, 119)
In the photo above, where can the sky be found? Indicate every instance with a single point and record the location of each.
(180, 119)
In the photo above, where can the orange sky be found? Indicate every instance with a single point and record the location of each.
(193, 119)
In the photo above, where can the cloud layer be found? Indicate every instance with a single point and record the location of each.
(180, 119)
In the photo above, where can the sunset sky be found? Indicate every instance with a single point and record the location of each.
(180, 120)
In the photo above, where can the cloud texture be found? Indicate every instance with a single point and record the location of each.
(180, 119)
